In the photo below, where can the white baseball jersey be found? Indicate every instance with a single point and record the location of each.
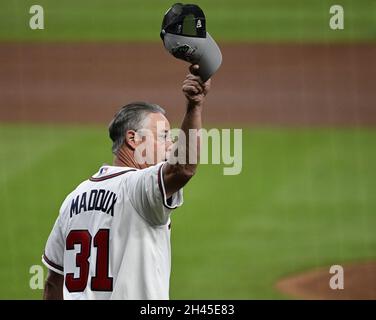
(111, 239)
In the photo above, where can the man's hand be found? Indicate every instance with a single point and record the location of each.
(194, 88)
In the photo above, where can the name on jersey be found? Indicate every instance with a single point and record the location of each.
(95, 200)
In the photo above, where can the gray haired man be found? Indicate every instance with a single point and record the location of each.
(111, 239)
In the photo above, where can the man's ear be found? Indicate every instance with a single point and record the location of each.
(130, 139)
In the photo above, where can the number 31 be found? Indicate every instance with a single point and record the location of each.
(101, 281)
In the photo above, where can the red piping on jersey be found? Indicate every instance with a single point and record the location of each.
(54, 265)
(165, 203)
(110, 176)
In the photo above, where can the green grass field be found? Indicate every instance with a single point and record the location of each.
(235, 20)
(304, 199)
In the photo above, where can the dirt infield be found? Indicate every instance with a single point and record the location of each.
(258, 84)
(359, 283)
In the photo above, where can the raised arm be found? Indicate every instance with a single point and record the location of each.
(175, 176)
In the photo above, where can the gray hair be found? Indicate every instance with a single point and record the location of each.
(130, 117)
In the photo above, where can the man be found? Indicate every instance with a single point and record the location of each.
(111, 239)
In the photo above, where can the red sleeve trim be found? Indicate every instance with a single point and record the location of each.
(110, 176)
(52, 264)
(166, 202)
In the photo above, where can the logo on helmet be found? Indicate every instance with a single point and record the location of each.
(184, 52)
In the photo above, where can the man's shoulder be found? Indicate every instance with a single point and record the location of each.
(106, 172)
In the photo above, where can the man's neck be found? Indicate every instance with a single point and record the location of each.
(125, 158)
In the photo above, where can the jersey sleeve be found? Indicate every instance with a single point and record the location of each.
(147, 194)
(53, 256)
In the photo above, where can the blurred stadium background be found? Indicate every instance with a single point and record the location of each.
(303, 94)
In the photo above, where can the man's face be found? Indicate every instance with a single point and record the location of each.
(156, 140)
